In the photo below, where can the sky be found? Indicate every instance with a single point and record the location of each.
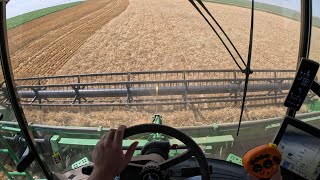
(294, 5)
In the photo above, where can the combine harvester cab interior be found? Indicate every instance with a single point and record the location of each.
(219, 89)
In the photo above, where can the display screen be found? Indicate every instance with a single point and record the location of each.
(300, 153)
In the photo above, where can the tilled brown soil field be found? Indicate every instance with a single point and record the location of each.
(42, 46)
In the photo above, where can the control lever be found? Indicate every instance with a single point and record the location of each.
(302, 83)
(87, 170)
(26, 159)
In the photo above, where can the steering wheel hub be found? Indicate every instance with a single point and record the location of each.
(151, 171)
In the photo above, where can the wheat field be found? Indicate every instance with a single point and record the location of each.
(144, 35)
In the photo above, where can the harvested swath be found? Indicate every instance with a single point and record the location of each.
(107, 118)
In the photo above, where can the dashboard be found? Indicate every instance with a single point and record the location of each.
(188, 170)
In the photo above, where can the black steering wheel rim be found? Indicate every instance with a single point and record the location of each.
(167, 130)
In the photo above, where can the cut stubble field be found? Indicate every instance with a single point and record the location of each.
(142, 35)
(171, 35)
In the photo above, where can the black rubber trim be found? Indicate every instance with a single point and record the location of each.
(305, 29)
(25, 160)
(192, 146)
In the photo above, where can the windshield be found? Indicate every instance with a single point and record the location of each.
(82, 67)
(130, 41)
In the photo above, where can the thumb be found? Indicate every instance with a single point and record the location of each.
(130, 151)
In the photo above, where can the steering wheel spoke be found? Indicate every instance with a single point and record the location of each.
(176, 160)
(135, 166)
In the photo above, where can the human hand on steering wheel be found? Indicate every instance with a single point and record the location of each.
(108, 157)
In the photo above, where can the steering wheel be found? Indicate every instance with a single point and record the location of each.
(192, 148)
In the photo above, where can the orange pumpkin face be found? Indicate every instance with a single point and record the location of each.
(262, 161)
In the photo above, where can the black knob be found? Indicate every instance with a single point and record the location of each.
(257, 168)
(267, 163)
(276, 159)
(87, 170)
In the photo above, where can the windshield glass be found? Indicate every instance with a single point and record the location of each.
(80, 65)
(130, 39)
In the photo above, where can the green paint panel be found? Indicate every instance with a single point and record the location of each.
(127, 143)
(234, 159)
(9, 151)
(313, 106)
(4, 151)
(17, 173)
(8, 148)
(82, 162)
(10, 129)
(74, 141)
